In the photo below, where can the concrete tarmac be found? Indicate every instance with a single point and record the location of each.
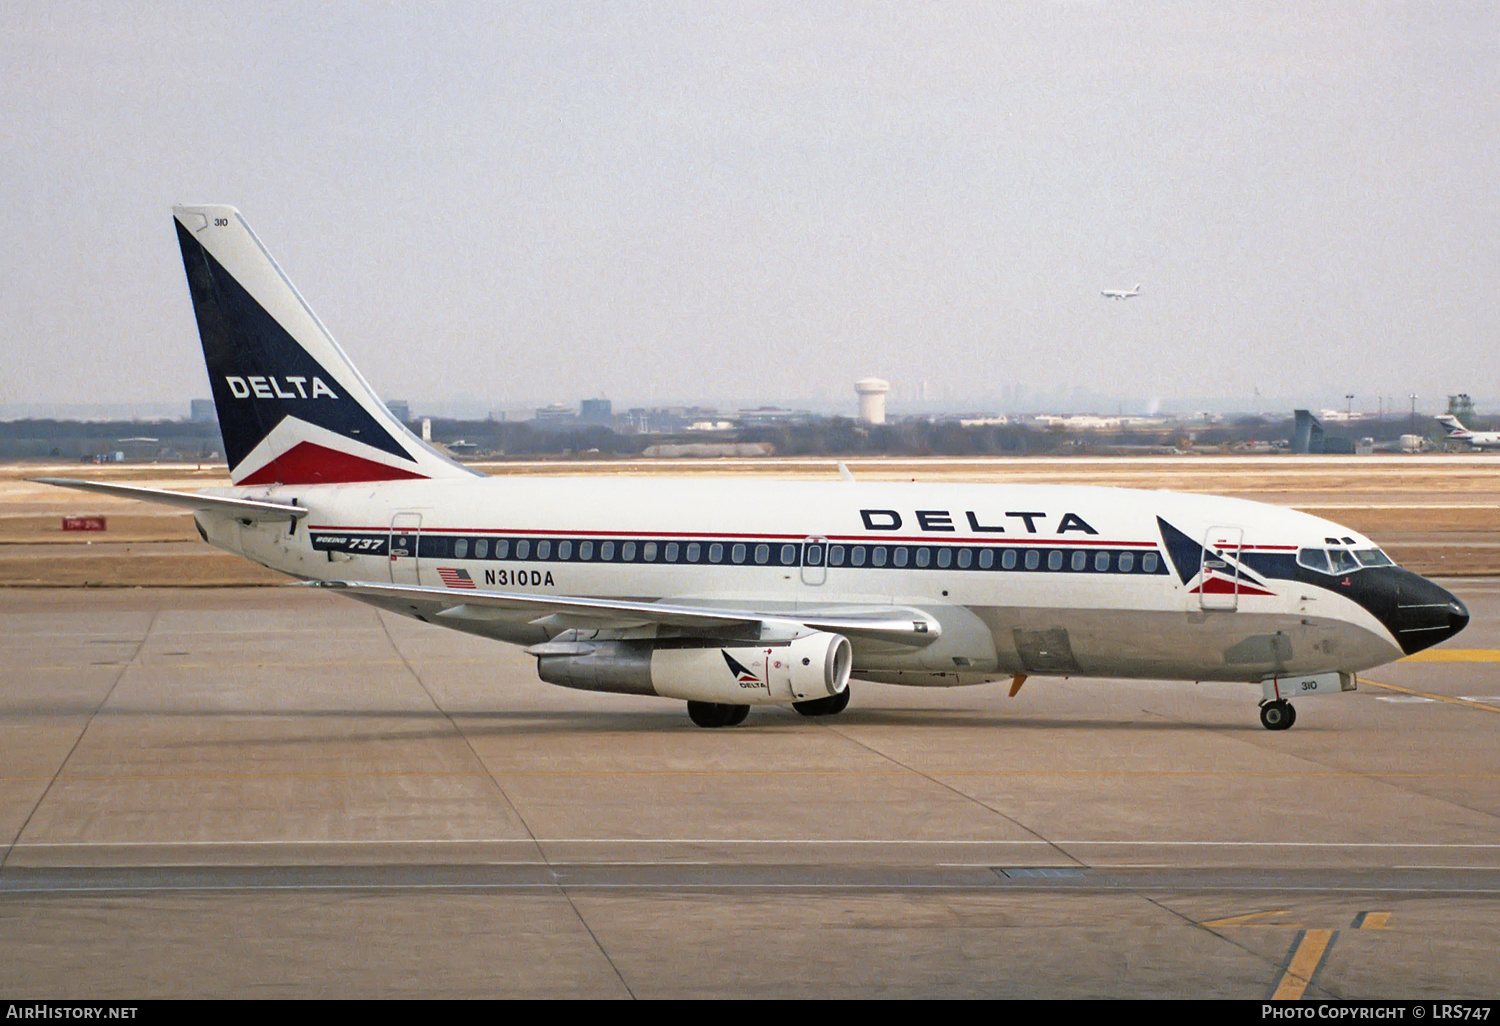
(273, 792)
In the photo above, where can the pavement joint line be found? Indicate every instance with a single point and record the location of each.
(757, 841)
(41, 799)
(821, 773)
(1028, 884)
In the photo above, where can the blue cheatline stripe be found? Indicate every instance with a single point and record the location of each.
(739, 551)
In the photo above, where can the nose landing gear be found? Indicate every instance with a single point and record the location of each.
(1277, 715)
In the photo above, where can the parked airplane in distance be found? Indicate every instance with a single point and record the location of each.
(1458, 433)
(1121, 293)
(733, 593)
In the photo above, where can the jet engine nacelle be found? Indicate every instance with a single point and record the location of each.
(813, 666)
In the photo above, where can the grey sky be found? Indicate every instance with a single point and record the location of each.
(738, 202)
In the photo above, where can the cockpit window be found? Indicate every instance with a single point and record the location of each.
(1341, 561)
(1313, 559)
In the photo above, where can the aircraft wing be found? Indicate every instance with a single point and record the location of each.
(241, 509)
(889, 624)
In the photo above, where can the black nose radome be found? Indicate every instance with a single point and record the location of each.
(1425, 614)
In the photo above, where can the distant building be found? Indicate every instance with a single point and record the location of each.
(203, 411)
(596, 411)
(554, 417)
(1307, 433)
(400, 409)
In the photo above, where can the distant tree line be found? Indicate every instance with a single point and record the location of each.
(834, 436)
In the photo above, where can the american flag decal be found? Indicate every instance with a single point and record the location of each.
(455, 578)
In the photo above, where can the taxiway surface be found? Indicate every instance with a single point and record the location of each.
(276, 792)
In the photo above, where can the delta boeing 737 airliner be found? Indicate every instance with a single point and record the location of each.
(729, 593)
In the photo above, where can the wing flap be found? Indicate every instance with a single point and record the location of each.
(558, 613)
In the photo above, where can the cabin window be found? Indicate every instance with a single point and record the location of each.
(523, 548)
(670, 555)
(1372, 557)
(1033, 559)
(1127, 562)
(627, 552)
(924, 557)
(965, 558)
(857, 555)
(737, 554)
(607, 551)
(716, 553)
(762, 554)
(789, 555)
(460, 548)
(1054, 560)
(1008, 560)
(898, 555)
(986, 559)
(877, 556)
(648, 552)
(1148, 562)
(1080, 560)
(544, 550)
(1101, 562)
(585, 550)
(944, 558)
(482, 548)
(694, 550)
(564, 550)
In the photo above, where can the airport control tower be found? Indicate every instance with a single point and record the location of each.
(872, 399)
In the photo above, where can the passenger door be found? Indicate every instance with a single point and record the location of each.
(406, 532)
(1219, 576)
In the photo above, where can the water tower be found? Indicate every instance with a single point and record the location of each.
(871, 393)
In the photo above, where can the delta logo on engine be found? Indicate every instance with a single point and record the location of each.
(743, 675)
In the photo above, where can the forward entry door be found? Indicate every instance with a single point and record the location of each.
(1219, 576)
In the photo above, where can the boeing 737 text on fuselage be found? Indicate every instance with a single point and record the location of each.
(731, 593)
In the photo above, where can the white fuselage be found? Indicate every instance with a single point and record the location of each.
(1067, 581)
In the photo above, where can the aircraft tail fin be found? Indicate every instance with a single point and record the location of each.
(1453, 424)
(292, 407)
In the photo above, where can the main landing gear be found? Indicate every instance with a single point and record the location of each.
(830, 706)
(721, 714)
(1277, 715)
(717, 714)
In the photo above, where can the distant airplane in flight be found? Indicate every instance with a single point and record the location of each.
(1121, 293)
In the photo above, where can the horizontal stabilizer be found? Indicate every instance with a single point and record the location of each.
(242, 509)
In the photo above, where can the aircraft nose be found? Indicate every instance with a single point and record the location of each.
(1425, 614)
